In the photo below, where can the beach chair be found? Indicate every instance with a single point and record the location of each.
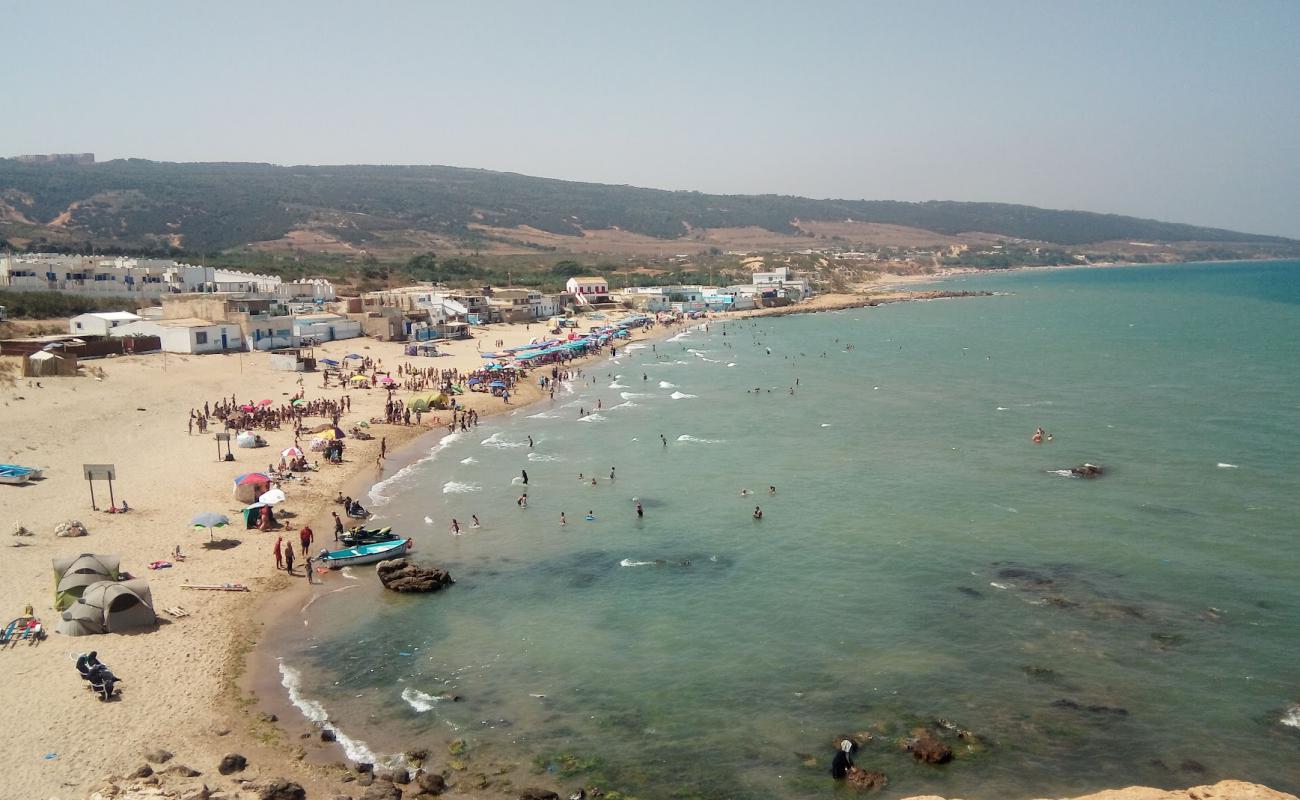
(7, 635)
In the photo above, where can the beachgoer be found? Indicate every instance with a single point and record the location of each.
(611, 473)
(306, 537)
(522, 502)
(455, 527)
(524, 473)
(593, 481)
(663, 439)
(288, 559)
(745, 493)
(338, 525)
(758, 512)
(474, 517)
(640, 512)
(530, 441)
(771, 490)
(842, 763)
(279, 557)
(563, 521)
(307, 565)
(591, 515)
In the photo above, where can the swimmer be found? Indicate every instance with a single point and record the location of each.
(474, 517)
(524, 473)
(664, 440)
(522, 502)
(771, 490)
(455, 527)
(640, 512)
(593, 481)
(758, 512)
(611, 473)
(1037, 438)
(591, 516)
(563, 521)
(745, 493)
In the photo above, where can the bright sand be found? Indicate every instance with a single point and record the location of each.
(178, 680)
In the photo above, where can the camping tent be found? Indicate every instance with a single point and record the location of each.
(109, 607)
(73, 575)
(253, 513)
(251, 486)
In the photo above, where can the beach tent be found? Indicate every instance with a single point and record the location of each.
(251, 486)
(109, 607)
(249, 439)
(73, 575)
(253, 513)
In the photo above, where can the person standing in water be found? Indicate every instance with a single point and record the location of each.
(524, 473)
(474, 518)
(663, 439)
(455, 527)
(563, 521)
(522, 502)
(530, 441)
(611, 473)
(758, 512)
(640, 512)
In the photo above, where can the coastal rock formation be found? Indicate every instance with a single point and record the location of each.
(866, 779)
(1223, 790)
(538, 794)
(281, 789)
(401, 575)
(929, 751)
(1087, 471)
(231, 763)
(430, 783)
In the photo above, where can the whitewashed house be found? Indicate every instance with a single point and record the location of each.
(186, 335)
(325, 327)
(99, 324)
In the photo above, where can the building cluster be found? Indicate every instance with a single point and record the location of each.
(208, 310)
(143, 278)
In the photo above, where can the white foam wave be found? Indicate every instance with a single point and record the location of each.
(591, 418)
(732, 364)
(456, 487)
(630, 395)
(627, 562)
(998, 585)
(826, 424)
(1064, 473)
(536, 457)
(1003, 408)
(355, 749)
(469, 460)
(496, 440)
(1292, 717)
(625, 404)
(377, 494)
(418, 700)
(681, 395)
(636, 346)
(1225, 465)
(543, 415)
(679, 336)
(667, 385)
(617, 385)
(686, 437)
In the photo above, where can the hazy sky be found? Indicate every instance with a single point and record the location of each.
(1184, 111)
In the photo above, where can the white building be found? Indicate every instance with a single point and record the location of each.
(121, 276)
(99, 324)
(186, 335)
(325, 327)
(784, 281)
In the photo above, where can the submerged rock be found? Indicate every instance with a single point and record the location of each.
(929, 751)
(866, 779)
(401, 575)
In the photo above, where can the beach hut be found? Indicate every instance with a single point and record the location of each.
(109, 607)
(73, 575)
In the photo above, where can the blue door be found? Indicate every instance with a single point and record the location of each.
(223, 340)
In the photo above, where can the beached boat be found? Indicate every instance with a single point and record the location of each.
(365, 553)
(15, 476)
(361, 535)
(33, 473)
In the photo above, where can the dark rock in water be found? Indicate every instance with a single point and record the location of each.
(159, 756)
(417, 754)
(1095, 709)
(1024, 576)
(1060, 602)
(265, 717)
(1087, 471)
(328, 735)
(969, 592)
(401, 575)
(538, 794)
(430, 783)
(401, 776)
(1039, 673)
(232, 763)
(364, 767)
(929, 751)
(1168, 640)
(865, 779)
(1190, 765)
(366, 779)
(281, 789)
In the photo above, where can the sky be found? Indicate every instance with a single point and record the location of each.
(1184, 111)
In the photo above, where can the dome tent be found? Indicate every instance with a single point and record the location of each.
(109, 607)
(73, 575)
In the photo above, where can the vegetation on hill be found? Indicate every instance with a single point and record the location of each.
(51, 305)
(149, 206)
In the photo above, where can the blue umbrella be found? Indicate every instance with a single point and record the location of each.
(353, 355)
(331, 362)
(210, 520)
(497, 384)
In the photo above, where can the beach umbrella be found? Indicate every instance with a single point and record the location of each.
(272, 497)
(387, 379)
(265, 402)
(210, 520)
(332, 433)
(290, 452)
(251, 477)
(300, 402)
(329, 362)
(359, 379)
(497, 384)
(247, 407)
(475, 381)
(353, 355)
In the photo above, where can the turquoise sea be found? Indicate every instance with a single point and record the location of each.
(919, 561)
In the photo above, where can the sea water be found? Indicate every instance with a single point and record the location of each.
(920, 560)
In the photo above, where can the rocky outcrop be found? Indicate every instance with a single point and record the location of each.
(232, 763)
(1223, 790)
(929, 751)
(401, 575)
(281, 789)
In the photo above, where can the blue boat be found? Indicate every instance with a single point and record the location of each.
(12, 473)
(365, 553)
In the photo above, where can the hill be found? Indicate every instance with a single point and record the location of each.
(139, 205)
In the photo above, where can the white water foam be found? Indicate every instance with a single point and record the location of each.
(826, 424)
(1064, 473)
(1292, 717)
(418, 700)
(617, 385)
(496, 440)
(635, 346)
(356, 750)
(681, 395)
(627, 562)
(686, 437)
(591, 418)
(377, 495)
(680, 336)
(543, 415)
(469, 460)
(667, 385)
(625, 404)
(732, 364)
(536, 457)
(1225, 465)
(456, 487)
(630, 395)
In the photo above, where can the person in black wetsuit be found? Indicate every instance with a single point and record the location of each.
(842, 762)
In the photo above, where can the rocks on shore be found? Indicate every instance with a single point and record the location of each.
(232, 763)
(281, 789)
(158, 756)
(401, 575)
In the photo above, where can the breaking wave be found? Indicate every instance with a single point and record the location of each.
(681, 395)
(686, 437)
(377, 495)
(496, 440)
(667, 385)
(456, 487)
(355, 749)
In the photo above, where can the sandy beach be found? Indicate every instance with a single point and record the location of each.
(178, 680)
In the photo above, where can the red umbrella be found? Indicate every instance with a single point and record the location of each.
(251, 477)
(264, 402)
(246, 407)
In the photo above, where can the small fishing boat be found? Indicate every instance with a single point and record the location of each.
(365, 553)
(363, 535)
(14, 475)
(33, 473)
